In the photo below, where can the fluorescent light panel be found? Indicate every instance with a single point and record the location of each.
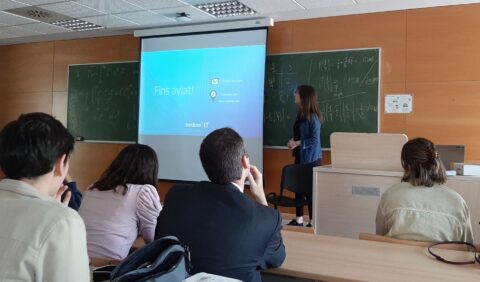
(226, 9)
(77, 25)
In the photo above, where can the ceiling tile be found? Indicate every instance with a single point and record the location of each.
(156, 4)
(310, 4)
(72, 9)
(197, 2)
(110, 6)
(109, 21)
(11, 19)
(194, 13)
(370, 1)
(8, 4)
(5, 35)
(38, 2)
(18, 31)
(45, 28)
(145, 18)
(265, 6)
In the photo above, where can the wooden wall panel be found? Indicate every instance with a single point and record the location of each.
(59, 106)
(274, 160)
(129, 48)
(391, 123)
(91, 50)
(26, 68)
(163, 188)
(280, 38)
(89, 160)
(3, 66)
(447, 113)
(385, 30)
(15, 103)
(443, 44)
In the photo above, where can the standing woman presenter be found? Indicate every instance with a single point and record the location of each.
(305, 143)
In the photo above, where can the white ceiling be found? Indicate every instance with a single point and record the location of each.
(124, 16)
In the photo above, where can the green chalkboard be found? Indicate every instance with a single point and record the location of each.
(103, 101)
(347, 84)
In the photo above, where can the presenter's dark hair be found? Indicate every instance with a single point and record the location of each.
(422, 164)
(221, 155)
(31, 145)
(135, 164)
(309, 103)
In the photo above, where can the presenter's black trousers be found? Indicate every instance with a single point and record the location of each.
(307, 196)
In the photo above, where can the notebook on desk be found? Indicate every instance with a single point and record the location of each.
(451, 154)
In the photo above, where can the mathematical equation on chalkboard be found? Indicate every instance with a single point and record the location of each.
(103, 101)
(342, 112)
(347, 86)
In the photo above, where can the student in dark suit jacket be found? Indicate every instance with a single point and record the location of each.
(228, 233)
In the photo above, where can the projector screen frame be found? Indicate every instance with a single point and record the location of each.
(202, 27)
(264, 27)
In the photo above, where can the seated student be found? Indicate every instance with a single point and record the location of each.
(40, 239)
(228, 233)
(122, 204)
(422, 208)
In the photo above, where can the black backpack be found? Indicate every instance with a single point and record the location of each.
(165, 259)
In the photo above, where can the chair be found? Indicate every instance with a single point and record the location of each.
(100, 269)
(98, 262)
(296, 178)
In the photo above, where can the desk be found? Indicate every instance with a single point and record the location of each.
(345, 201)
(328, 258)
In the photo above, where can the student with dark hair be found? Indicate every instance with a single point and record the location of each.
(228, 233)
(41, 239)
(122, 204)
(422, 208)
(305, 144)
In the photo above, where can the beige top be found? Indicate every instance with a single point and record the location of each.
(421, 213)
(40, 239)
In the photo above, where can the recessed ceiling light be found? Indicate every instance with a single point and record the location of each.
(51, 17)
(226, 9)
(76, 24)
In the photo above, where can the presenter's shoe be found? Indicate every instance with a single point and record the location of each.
(309, 225)
(295, 223)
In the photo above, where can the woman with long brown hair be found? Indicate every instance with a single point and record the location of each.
(122, 204)
(305, 144)
(422, 207)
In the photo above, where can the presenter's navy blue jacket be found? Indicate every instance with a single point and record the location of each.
(308, 132)
(228, 233)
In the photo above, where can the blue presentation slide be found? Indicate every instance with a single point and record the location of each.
(194, 91)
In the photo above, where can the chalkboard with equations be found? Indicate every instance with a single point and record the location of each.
(347, 84)
(103, 101)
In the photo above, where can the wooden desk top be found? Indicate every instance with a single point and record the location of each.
(330, 169)
(341, 259)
